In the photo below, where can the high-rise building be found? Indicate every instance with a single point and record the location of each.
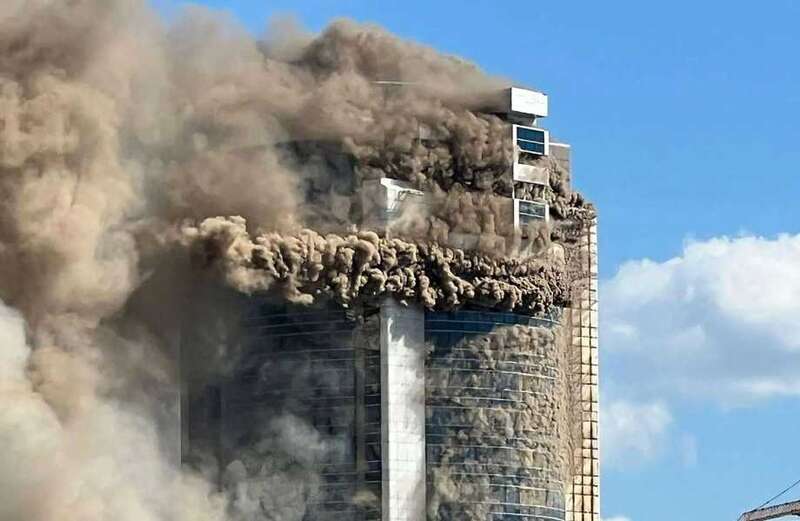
(397, 412)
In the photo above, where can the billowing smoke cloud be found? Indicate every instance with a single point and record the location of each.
(355, 269)
(115, 130)
(70, 451)
(82, 439)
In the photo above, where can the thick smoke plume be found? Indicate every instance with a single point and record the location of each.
(114, 132)
(363, 267)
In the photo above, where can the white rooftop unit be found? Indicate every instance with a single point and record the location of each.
(524, 101)
(515, 101)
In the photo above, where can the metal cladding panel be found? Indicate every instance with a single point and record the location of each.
(498, 429)
(525, 101)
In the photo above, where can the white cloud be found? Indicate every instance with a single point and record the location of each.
(721, 322)
(633, 433)
(616, 518)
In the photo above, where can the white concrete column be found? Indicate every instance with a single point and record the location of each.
(403, 412)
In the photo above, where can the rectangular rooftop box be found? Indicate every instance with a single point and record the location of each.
(517, 102)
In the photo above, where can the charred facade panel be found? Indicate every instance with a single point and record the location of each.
(498, 420)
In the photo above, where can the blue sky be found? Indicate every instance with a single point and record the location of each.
(683, 120)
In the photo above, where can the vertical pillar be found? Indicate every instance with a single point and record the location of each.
(359, 352)
(402, 412)
(584, 501)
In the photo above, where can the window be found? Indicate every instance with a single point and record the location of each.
(532, 140)
(531, 211)
(528, 146)
(530, 134)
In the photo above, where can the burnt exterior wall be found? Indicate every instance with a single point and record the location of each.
(498, 417)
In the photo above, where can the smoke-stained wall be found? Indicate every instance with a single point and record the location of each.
(500, 416)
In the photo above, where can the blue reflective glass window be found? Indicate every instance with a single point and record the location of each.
(529, 146)
(529, 134)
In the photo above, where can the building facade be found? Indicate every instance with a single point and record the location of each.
(397, 412)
